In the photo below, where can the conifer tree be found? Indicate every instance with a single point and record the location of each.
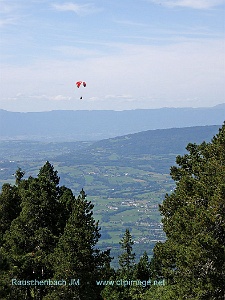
(76, 256)
(9, 207)
(9, 210)
(127, 258)
(142, 268)
(124, 274)
(193, 257)
(33, 234)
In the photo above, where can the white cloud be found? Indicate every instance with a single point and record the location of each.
(7, 21)
(8, 13)
(71, 51)
(123, 97)
(195, 4)
(50, 98)
(79, 9)
(20, 96)
(6, 7)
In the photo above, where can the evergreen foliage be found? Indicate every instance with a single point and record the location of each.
(142, 268)
(193, 257)
(126, 259)
(129, 281)
(48, 234)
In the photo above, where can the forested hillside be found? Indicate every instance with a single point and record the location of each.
(159, 141)
(49, 238)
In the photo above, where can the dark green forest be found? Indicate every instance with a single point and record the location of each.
(49, 238)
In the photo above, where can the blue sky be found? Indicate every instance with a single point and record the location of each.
(132, 54)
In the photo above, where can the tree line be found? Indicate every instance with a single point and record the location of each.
(49, 238)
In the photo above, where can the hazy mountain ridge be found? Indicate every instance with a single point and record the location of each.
(159, 141)
(133, 149)
(102, 124)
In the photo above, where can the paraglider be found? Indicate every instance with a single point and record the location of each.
(79, 83)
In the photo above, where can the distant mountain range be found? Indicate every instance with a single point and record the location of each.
(101, 124)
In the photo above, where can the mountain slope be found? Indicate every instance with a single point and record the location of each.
(139, 149)
(160, 141)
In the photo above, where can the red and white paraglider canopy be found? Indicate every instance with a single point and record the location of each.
(79, 83)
